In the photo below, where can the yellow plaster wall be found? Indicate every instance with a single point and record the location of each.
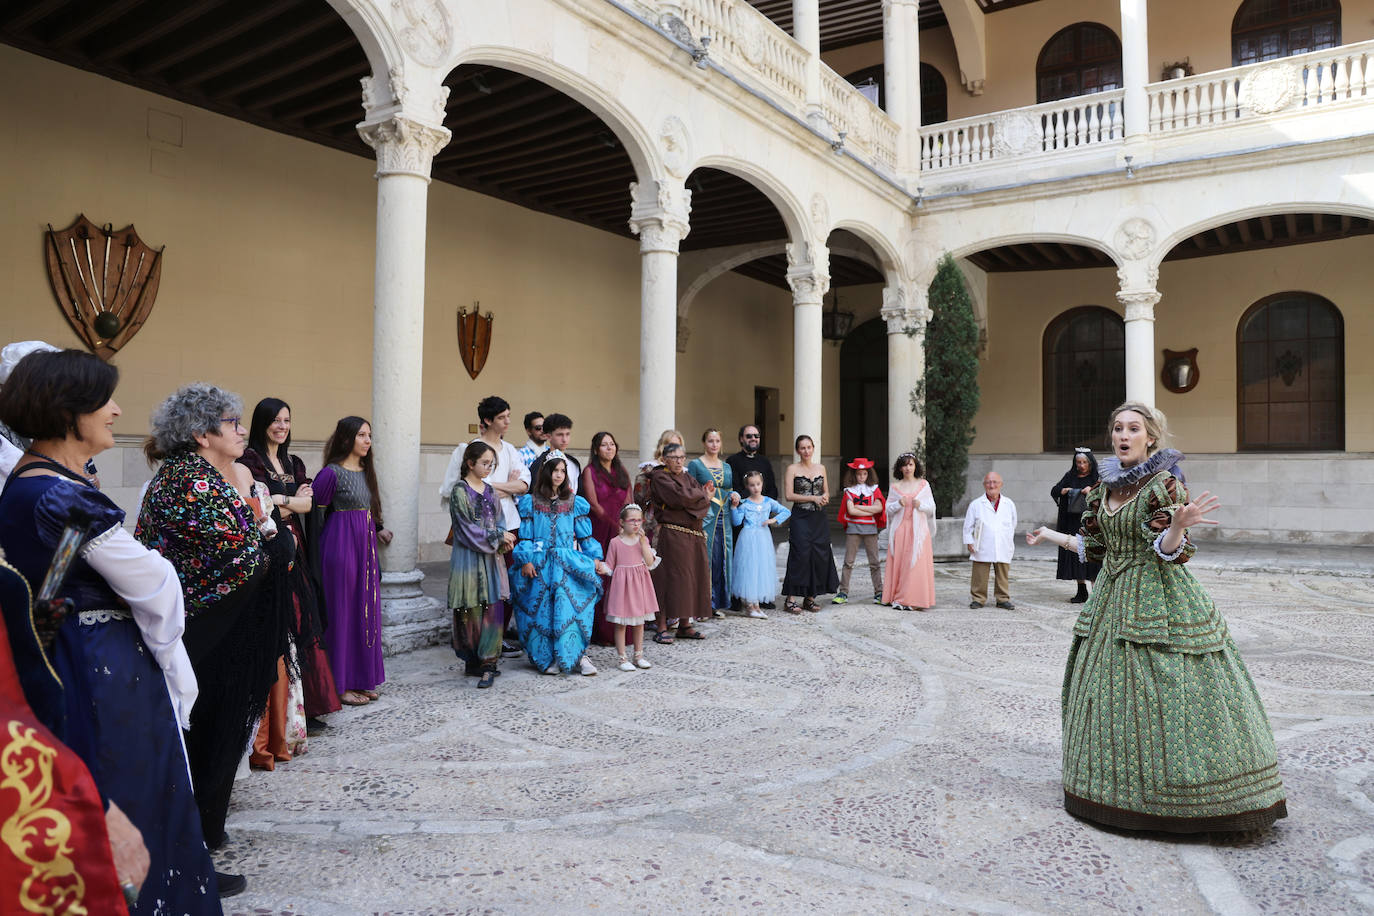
(1203, 300)
(267, 283)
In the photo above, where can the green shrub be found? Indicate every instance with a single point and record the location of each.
(950, 387)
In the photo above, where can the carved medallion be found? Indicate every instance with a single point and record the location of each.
(672, 138)
(1270, 89)
(1016, 133)
(750, 39)
(1136, 238)
(820, 213)
(105, 282)
(425, 30)
(474, 338)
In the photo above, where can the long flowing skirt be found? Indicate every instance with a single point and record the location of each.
(682, 582)
(810, 560)
(1160, 740)
(910, 576)
(477, 634)
(127, 727)
(553, 611)
(352, 596)
(754, 576)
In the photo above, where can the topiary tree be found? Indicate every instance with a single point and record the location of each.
(950, 386)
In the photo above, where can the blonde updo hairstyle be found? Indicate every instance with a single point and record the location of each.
(668, 435)
(1156, 425)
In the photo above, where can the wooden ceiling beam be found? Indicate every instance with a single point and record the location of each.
(1267, 228)
(139, 33)
(1290, 223)
(582, 176)
(249, 52)
(501, 127)
(1345, 224)
(464, 111)
(344, 70)
(222, 32)
(1049, 254)
(92, 22)
(344, 96)
(1223, 238)
(1243, 230)
(284, 68)
(35, 13)
(565, 164)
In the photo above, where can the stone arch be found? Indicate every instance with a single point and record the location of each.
(636, 139)
(889, 261)
(374, 33)
(1211, 221)
(792, 211)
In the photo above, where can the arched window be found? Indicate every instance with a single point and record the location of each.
(1085, 376)
(934, 96)
(1079, 60)
(1269, 29)
(1291, 375)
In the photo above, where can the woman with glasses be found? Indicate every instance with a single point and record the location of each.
(682, 581)
(201, 511)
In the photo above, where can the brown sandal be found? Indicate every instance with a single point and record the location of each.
(810, 605)
(792, 607)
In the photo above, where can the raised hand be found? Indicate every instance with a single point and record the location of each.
(1194, 512)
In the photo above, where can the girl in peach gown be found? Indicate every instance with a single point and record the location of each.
(910, 580)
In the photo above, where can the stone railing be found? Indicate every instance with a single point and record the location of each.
(1259, 90)
(747, 41)
(1052, 127)
(866, 127)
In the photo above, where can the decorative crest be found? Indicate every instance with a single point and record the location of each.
(1180, 372)
(474, 338)
(105, 282)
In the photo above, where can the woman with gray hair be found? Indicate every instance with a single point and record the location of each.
(201, 513)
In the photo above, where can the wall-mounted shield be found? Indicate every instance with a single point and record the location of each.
(474, 338)
(1180, 371)
(104, 281)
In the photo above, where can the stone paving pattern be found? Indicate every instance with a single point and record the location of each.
(859, 760)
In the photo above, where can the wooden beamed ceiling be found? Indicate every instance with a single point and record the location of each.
(1256, 233)
(852, 22)
(293, 66)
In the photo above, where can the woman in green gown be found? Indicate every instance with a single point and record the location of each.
(1163, 728)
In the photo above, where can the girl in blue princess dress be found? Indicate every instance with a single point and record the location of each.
(754, 572)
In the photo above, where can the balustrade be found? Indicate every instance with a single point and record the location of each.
(1050, 127)
(749, 42)
(1335, 75)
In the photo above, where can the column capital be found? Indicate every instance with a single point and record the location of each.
(905, 310)
(1138, 291)
(404, 146)
(808, 272)
(660, 214)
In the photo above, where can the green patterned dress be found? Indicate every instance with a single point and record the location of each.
(1163, 728)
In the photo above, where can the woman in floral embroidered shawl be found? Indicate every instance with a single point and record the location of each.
(203, 512)
(1163, 728)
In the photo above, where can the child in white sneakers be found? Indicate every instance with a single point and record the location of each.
(862, 515)
(630, 599)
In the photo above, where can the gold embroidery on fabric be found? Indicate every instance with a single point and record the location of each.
(38, 836)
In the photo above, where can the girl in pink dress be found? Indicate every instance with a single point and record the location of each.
(630, 600)
(910, 580)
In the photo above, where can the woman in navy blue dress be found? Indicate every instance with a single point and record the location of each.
(111, 679)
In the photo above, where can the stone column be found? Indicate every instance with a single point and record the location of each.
(1139, 297)
(405, 149)
(659, 213)
(808, 273)
(904, 310)
(806, 28)
(1135, 66)
(902, 78)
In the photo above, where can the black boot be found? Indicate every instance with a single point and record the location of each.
(1082, 594)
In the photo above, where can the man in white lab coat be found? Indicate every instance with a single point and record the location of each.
(990, 536)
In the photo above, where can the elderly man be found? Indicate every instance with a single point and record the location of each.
(990, 536)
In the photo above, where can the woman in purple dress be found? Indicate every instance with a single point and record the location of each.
(347, 489)
(606, 487)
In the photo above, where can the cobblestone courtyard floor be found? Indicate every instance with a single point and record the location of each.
(859, 760)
